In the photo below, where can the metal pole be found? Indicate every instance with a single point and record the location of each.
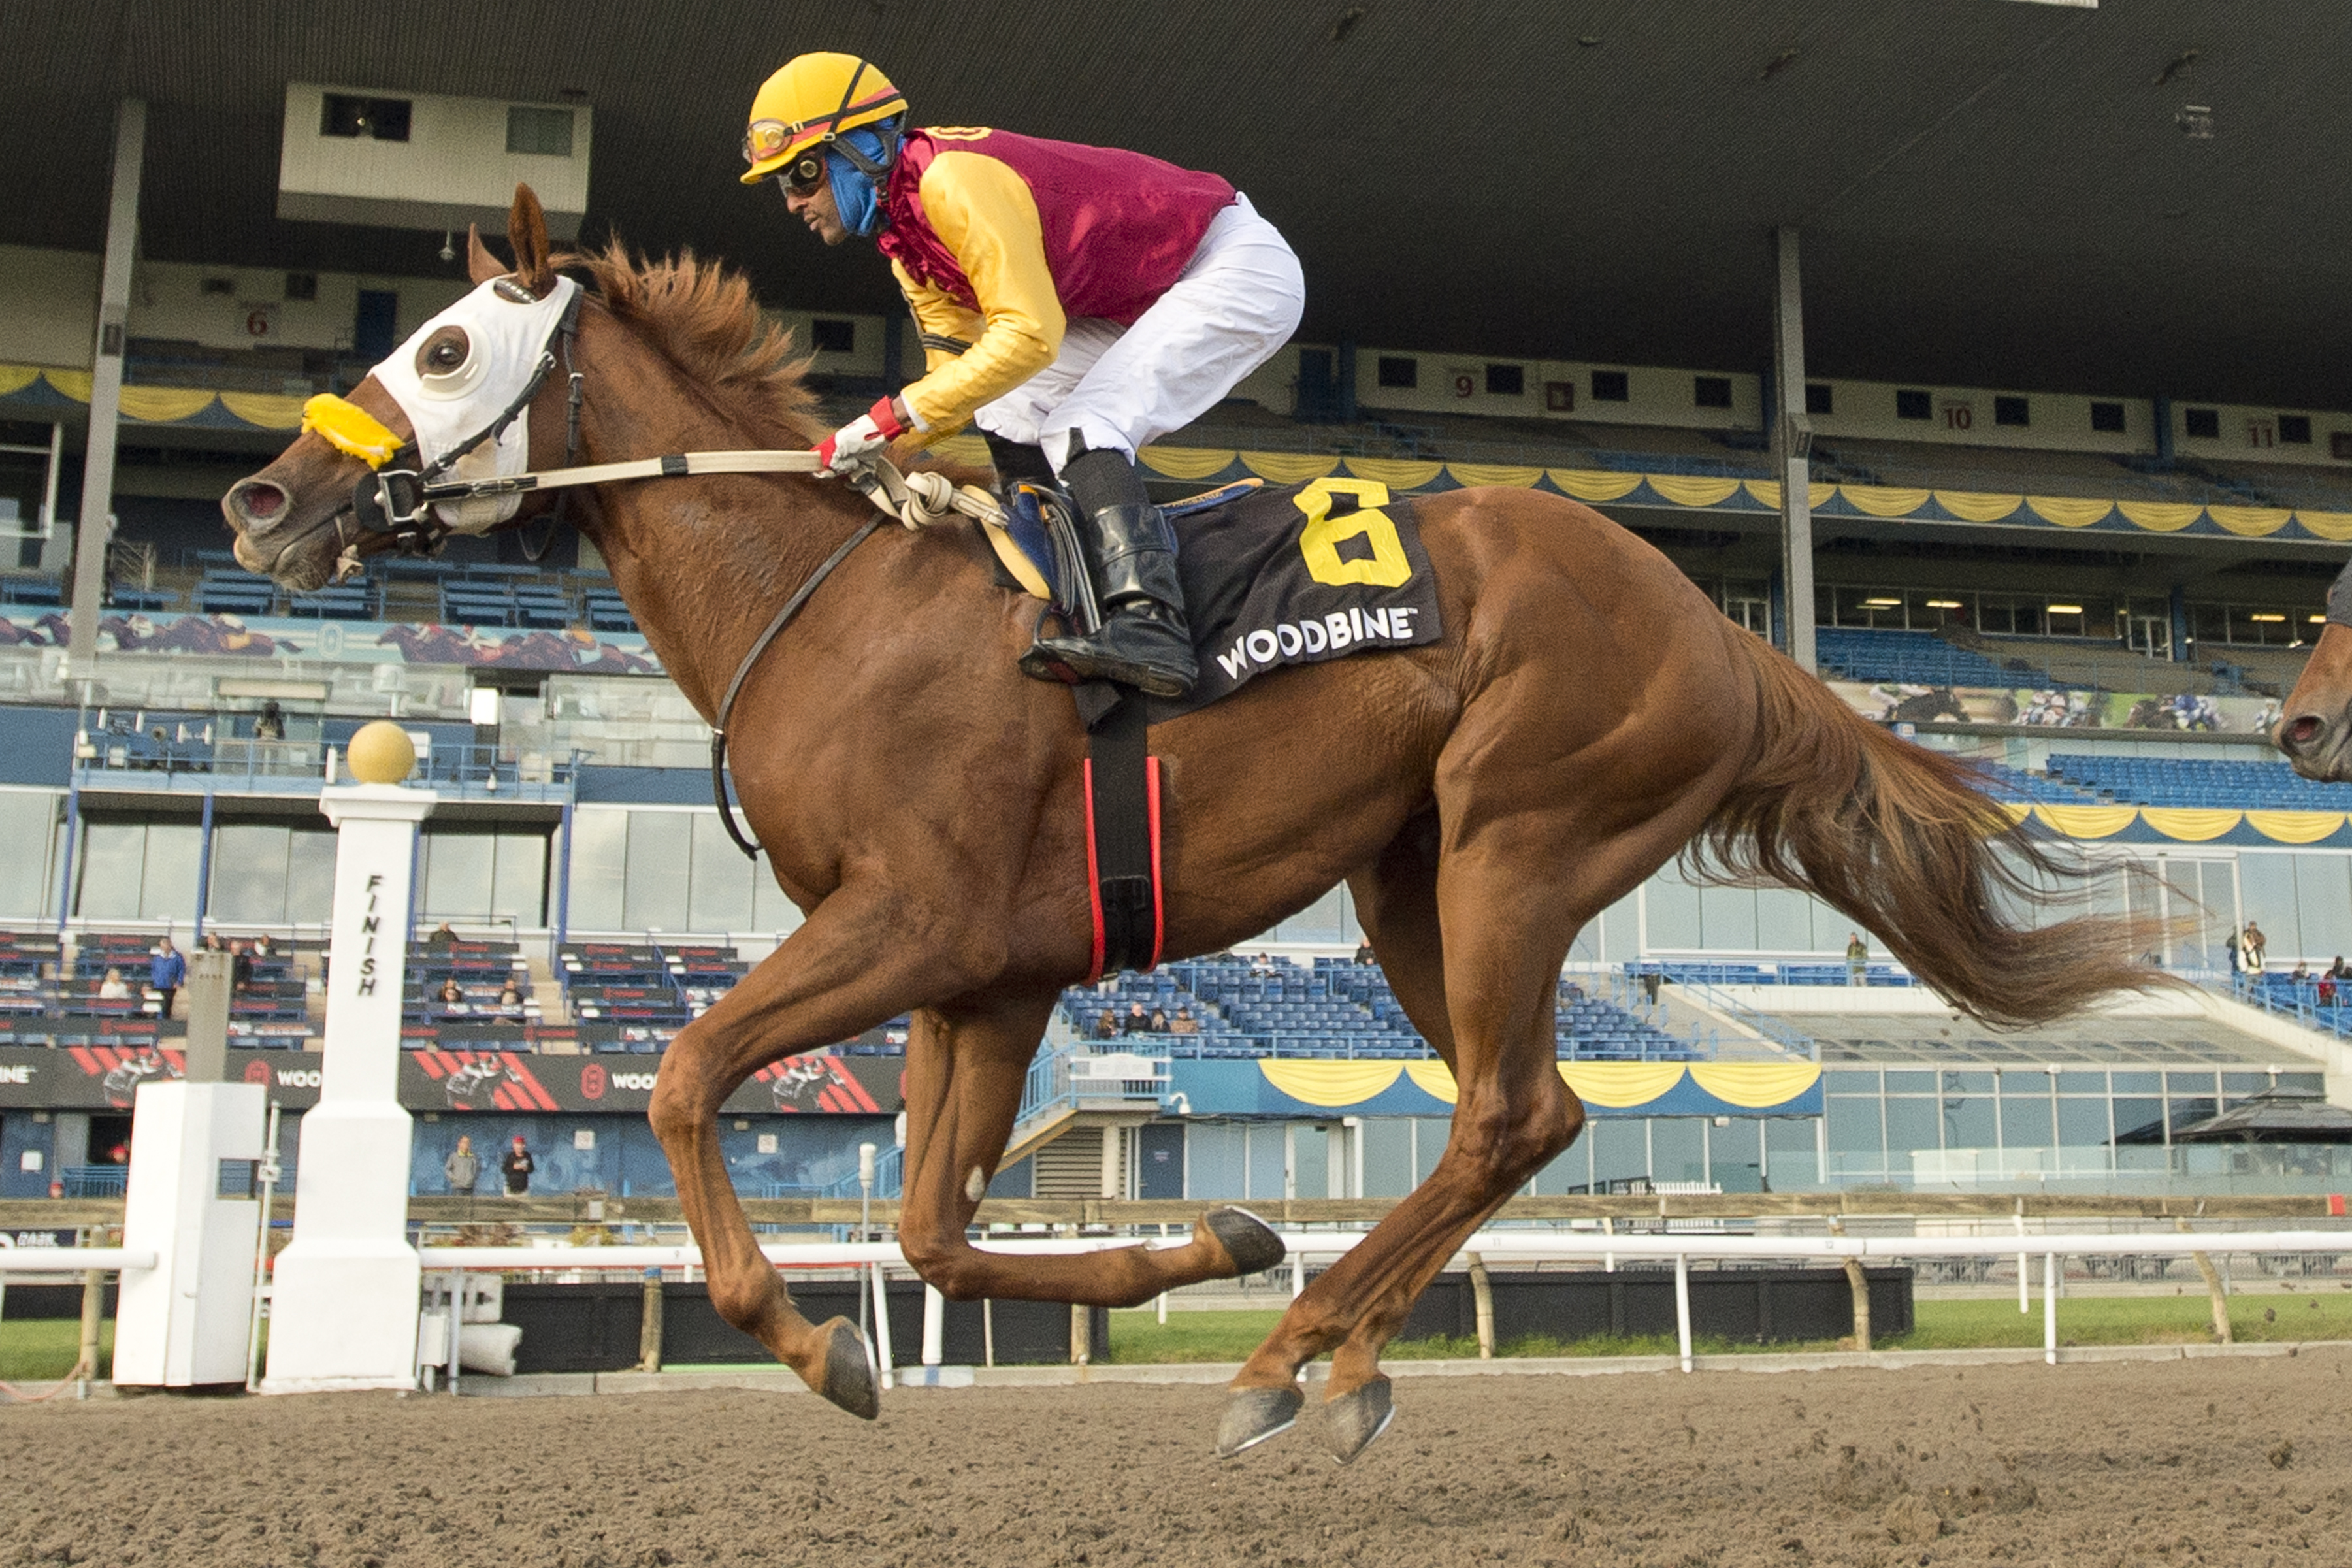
(882, 1323)
(1482, 1299)
(73, 830)
(1792, 439)
(261, 1254)
(935, 1316)
(93, 1308)
(1682, 1306)
(988, 1332)
(866, 1232)
(204, 868)
(2024, 1278)
(92, 524)
(2050, 1308)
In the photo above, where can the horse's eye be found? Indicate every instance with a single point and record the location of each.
(445, 353)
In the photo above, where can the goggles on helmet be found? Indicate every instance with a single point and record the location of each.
(804, 175)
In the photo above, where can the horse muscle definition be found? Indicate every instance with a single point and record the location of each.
(1588, 716)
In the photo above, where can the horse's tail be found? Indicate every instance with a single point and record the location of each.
(1902, 840)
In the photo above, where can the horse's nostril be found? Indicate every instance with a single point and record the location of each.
(259, 500)
(2303, 730)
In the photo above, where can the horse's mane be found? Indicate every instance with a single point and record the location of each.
(703, 318)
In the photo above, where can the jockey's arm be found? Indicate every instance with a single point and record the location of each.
(983, 213)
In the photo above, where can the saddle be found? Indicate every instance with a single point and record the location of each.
(1272, 576)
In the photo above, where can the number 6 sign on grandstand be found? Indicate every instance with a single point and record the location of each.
(1319, 541)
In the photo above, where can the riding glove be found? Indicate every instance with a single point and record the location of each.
(860, 439)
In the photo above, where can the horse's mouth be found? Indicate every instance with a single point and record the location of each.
(298, 554)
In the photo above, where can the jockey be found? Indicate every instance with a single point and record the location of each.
(1074, 302)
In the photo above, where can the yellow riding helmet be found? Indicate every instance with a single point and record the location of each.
(813, 99)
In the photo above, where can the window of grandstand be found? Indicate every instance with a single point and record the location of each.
(305, 286)
(2010, 410)
(1505, 381)
(1559, 397)
(1611, 387)
(1749, 603)
(2108, 417)
(1912, 402)
(1711, 391)
(2273, 625)
(827, 335)
(2205, 424)
(1399, 371)
(546, 132)
(2295, 429)
(2339, 445)
(1819, 398)
(345, 114)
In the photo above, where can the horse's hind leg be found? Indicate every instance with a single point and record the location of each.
(966, 1066)
(855, 963)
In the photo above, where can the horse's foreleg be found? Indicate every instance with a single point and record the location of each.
(849, 967)
(965, 1071)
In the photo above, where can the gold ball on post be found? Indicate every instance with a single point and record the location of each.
(381, 754)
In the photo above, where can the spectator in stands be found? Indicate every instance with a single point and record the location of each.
(1106, 1025)
(1136, 1022)
(442, 936)
(113, 988)
(463, 1167)
(2253, 945)
(1158, 1025)
(2302, 975)
(1183, 1023)
(212, 942)
(166, 971)
(1364, 952)
(270, 723)
(262, 949)
(2335, 971)
(2327, 989)
(240, 966)
(1857, 959)
(511, 999)
(450, 996)
(516, 1167)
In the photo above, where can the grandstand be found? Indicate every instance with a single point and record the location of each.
(2084, 558)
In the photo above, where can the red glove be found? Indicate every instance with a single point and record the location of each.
(861, 438)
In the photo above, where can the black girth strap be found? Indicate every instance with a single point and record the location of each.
(760, 646)
(1123, 837)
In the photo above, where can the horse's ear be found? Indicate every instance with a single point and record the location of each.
(527, 232)
(480, 265)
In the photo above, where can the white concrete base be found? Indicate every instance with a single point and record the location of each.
(343, 1316)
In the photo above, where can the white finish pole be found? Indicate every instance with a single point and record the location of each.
(1682, 1306)
(2024, 1277)
(343, 1312)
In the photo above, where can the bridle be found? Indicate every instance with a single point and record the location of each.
(397, 503)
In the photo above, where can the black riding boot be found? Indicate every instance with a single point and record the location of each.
(1143, 641)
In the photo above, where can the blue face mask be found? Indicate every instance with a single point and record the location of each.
(854, 195)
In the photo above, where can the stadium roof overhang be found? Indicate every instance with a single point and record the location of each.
(1990, 193)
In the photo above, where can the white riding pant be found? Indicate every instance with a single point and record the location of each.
(1236, 301)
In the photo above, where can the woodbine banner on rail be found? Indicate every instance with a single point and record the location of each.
(107, 1078)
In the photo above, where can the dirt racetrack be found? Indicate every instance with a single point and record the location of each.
(2242, 1461)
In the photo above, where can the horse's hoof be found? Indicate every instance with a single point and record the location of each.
(1254, 1414)
(1355, 1418)
(849, 1380)
(1247, 1239)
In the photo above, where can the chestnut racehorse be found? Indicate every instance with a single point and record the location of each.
(1587, 715)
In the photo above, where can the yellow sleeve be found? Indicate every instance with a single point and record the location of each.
(985, 216)
(947, 327)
